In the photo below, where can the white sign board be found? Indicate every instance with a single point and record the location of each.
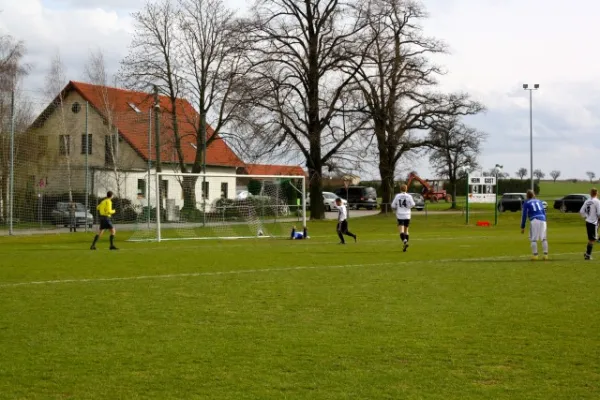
(482, 180)
(482, 189)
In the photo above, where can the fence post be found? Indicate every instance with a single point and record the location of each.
(11, 179)
(87, 172)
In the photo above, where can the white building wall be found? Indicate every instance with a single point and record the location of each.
(127, 182)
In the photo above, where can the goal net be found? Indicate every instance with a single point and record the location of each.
(184, 206)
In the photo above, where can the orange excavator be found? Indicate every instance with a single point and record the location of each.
(432, 190)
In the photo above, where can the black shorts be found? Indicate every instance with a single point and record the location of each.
(592, 231)
(106, 223)
(404, 222)
(343, 226)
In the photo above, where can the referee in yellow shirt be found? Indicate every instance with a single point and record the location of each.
(106, 211)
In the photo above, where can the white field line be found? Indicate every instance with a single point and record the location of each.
(264, 270)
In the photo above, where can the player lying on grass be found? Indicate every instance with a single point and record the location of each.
(590, 211)
(533, 209)
(106, 211)
(403, 203)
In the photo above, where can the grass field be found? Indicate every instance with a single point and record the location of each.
(464, 314)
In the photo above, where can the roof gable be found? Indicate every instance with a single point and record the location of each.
(129, 112)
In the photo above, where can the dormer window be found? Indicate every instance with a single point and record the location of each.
(134, 108)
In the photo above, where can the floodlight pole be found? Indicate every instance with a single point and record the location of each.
(535, 87)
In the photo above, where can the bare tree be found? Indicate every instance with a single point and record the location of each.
(454, 146)
(538, 174)
(397, 81)
(155, 61)
(12, 70)
(301, 73)
(187, 49)
(521, 173)
(56, 79)
(555, 174)
(591, 176)
(97, 74)
(213, 70)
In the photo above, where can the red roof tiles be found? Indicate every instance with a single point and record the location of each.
(129, 111)
(260, 169)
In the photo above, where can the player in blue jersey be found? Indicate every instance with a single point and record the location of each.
(533, 209)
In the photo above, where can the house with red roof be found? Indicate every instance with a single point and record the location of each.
(120, 149)
(119, 152)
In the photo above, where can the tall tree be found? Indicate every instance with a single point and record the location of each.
(155, 60)
(213, 70)
(96, 72)
(301, 71)
(555, 174)
(188, 49)
(538, 174)
(56, 79)
(398, 81)
(521, 173)
(591, 176)
(12, 70)
(454, 147)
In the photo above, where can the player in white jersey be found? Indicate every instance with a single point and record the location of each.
(403, 203)
(591, 212)
(342, 224)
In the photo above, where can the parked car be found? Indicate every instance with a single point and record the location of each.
(419, 201)
(359, 196)
(514, 202)
(60, 215)
(328, 200)
(571, 202)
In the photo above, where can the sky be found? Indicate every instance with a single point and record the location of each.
(496, 47)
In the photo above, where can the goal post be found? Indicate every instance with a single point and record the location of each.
(187, 206)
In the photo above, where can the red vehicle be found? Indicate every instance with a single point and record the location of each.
(432, 190)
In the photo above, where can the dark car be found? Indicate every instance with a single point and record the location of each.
(359, 196)
(514, 202)
(61, 216)
(571, 202)
(419, 201)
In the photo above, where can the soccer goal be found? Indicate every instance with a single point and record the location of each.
(185, 206)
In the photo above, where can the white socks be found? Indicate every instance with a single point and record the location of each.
(534, 248)
(545, 246)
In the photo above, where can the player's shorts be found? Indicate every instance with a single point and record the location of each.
(537, 230)
(404, 222)
(592, 231)
(342, 226)
(106, 223)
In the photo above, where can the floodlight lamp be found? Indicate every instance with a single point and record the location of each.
(525, 86)
(536, 86)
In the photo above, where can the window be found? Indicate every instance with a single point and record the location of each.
(110, 150)
(224, 190)
(42, 145)
(164, 189)
(89, 144)
(134, 107)
(141, 187)
(64, 145)
(205, 188)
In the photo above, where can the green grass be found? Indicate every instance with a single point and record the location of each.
(462, 315)
(551, 190)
